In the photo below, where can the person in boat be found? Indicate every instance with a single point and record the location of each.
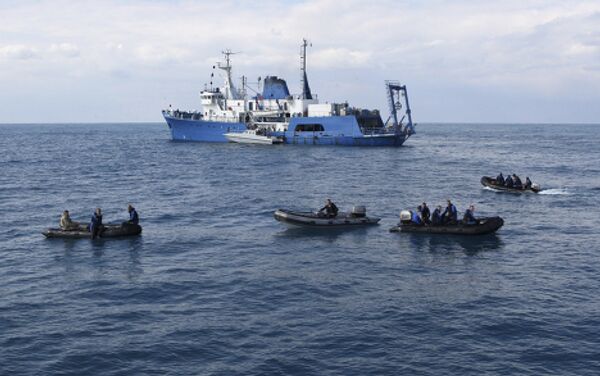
(436, 217)
(528, 183)
(517, 183)
(415, 219)
(500, 179)
(450, 216)
(508, 183)
(96, 223)
(469, 218)
(425, 213)
(66, 223)
(134, 219)
(330, 209)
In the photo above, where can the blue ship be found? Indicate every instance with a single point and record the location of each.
(292, 119)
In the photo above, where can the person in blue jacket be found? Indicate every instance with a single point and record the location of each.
(96, 223)
(469, 218)
(508, 182)
(500, 179)
(450, 215)
(134, 219)
(414, 217)
(436, 217)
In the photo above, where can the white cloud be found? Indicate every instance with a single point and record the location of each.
(65, 49)
(18, 52)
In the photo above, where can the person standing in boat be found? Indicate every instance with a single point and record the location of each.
(96, 223)
(450, 216)
(469, 218)
(425, 213)
(330, 209)
(517, 182)
(500, 179)
(508, 183)
(134, 219)
(436, 217)
(66, 223)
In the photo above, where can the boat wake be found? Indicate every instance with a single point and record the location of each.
(554, 191)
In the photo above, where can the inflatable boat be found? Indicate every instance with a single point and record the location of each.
(483, 226)
(110, 231)
(294, 219)
(491, 183)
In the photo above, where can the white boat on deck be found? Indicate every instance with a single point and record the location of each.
(251, 137)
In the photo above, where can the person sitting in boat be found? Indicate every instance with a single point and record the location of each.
(414, 218)
(134, 219)
(508, 183)
(500, 179)
(330, 209)
(469, 218)
(425, 213)
(528, 183)
(436, 217)
(517, 182)
(96, 223)
(450, 215)
(66, 223)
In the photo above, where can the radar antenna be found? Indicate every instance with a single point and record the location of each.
(306, 94)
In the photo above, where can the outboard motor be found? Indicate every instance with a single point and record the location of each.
(359, 211)
(536, 187)
(405, 216)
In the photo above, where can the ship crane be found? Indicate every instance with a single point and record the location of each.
(395, 93)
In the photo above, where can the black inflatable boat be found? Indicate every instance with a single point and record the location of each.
(356, 218)
(483, 226)
(110, 231)
(491, 183)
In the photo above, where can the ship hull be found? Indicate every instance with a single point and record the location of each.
(201, 130)
(340, 131)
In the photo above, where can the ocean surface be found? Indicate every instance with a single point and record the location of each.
(215, 286)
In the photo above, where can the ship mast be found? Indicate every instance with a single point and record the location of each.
(230, 92)
(306, 94)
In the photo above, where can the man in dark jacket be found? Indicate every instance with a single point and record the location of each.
(500, 179)
(96, 223)
(528, 183)
(517, 182)
(133, 215)
(330, 209)
(469, 218)
(508, 182)
(425, 213)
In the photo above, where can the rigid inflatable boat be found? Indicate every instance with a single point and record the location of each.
(491, 183)
(483, 226)
(110, 231)
(356, 218)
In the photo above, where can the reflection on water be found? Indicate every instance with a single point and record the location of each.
(470, 245)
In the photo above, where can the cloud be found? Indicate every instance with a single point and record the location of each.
(18, 52)
(65, 49)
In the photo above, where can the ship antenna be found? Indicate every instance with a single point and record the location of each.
(230, 92)
(306, 94)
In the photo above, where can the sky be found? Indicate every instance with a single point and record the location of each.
(462, 61)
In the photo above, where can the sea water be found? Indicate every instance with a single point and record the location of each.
(215, 286)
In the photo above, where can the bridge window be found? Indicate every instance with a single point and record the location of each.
(309, 128)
